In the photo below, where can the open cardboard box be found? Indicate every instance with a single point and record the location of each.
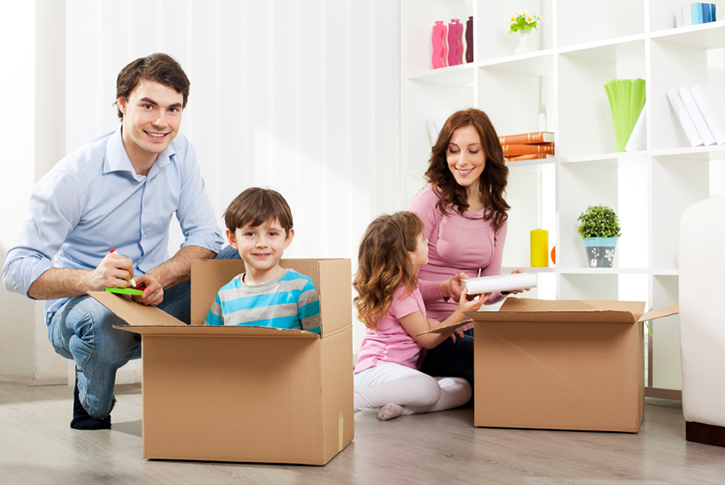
(560, 364)
(245, 394)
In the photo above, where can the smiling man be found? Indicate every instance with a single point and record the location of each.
(119, 192)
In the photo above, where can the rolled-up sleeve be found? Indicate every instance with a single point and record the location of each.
(54, 210)
(195, 212)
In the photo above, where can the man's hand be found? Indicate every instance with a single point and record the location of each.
(113, 271)
(153, 293)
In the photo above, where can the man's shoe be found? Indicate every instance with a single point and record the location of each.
(83, 420)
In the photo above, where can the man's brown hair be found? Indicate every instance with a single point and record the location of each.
(160, 68)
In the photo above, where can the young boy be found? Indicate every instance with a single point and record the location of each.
(259, 226)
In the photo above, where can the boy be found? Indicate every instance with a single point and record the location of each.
(259, 226)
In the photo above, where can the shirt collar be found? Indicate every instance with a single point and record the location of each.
(117, 159)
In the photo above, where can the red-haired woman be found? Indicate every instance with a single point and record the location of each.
(465, 218)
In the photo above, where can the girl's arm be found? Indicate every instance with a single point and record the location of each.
(415, 323)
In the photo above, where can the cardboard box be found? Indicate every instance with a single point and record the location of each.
(246, 394)
(570, 365)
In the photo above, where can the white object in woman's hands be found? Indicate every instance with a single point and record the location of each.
(509, 282)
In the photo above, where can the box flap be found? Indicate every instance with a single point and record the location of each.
(662, 312)
(532, 310)
(129, 311)
(207, 276)
(217, 331)
(335, 288)
(446, 328)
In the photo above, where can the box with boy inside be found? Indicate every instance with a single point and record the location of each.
(245, 393)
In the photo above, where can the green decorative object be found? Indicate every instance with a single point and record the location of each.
(125, 291)
(626, 100)
(600, 229)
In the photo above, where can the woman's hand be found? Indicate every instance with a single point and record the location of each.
(452, 288)
(513, 292)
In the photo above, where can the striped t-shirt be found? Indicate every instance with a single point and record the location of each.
(290, 301)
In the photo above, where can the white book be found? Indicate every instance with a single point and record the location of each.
(638, 137)
(434, 126)
(686, 15)
(678, 18)
(684, 118)
(507, 282)
(711, 101)
(696, 115)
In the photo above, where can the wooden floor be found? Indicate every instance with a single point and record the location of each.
(38, 447)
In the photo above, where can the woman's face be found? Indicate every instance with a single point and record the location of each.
(465, 156)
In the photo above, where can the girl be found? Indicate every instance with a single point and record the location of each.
(389, 302)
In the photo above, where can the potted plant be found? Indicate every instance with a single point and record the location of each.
(600, 229)
(526, 25)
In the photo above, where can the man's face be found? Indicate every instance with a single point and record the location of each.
(151, 120)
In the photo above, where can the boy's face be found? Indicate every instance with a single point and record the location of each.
(261, 247)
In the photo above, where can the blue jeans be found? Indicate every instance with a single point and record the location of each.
(451, 359)
(82, 330)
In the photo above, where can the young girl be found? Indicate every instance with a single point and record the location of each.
(391, 306)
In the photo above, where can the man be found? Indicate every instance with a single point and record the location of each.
(119, 192)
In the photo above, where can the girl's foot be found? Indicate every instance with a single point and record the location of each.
(390, 411)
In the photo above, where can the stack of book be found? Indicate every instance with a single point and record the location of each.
(697, 13)
(527, 146)
(701, 111)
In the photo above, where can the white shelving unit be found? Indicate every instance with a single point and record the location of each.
(583, 45)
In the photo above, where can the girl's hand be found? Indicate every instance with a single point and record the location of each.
(458, 332)
(452, 288)
(466, 305)
(513, 292)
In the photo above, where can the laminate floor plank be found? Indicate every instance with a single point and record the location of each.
(37, 446)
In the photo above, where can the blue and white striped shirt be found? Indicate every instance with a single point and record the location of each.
(290, 301)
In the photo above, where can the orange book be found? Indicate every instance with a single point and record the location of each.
(516, 150)
(528, 138)
(533, 156)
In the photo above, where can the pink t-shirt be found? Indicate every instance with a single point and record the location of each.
(389, 342)
(456, 243)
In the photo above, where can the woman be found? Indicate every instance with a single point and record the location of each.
(465, 218)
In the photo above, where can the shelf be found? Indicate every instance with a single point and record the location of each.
(703, 36)
(610, 50)
(713, 152)
(460, 75)
(529, 269)
(602, 271)
(616, 159)
(529, 163)
(665, 272)
(537, 62)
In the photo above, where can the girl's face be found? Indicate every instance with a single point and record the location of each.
(466, 159)
(420, 255)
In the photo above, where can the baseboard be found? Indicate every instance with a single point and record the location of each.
(708, 434)
(658, 393)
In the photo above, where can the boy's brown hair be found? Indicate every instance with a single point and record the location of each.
(257, 206)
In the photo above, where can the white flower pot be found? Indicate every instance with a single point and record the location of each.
(528, 41)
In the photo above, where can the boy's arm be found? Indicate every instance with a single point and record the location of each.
(308, 309)
(215, 315)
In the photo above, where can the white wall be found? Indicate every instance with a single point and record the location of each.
(300, 95)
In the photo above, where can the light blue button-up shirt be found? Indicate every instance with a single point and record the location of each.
(93, 201)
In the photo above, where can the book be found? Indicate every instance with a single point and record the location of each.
(433, 126)
(696, 9)
(696, 115)
(706, 13)
(533, 156)
(638, 137)
(516, 150)
(686, 15)
(711, 101)
(685, 121)
(507, 282)
(532, 138)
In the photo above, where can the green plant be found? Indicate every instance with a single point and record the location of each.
(598, 221)
(522, 21)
